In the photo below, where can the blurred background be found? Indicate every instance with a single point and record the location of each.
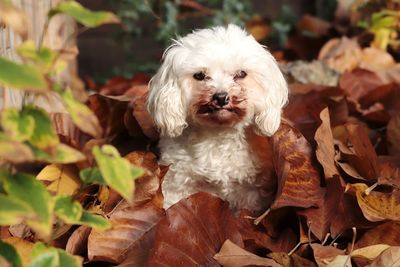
(292, 29)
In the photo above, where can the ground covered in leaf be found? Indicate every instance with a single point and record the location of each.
(336, 158)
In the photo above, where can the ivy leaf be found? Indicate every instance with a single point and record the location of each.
(22, 76)
(116, 171)
(9, 253)
(81, 115)
(13, 211)
(67, 260)
(94, 220)
(62, 154)
(43, 57)
(92, 176)
(43, 256)
(47, 259)
(14, 18)
(83, 15)
(67, 209)
(31, 192)
(44, 136)
(17, 125)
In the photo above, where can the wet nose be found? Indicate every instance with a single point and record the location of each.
(221, 98)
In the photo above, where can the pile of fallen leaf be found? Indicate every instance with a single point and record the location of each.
(336, 157)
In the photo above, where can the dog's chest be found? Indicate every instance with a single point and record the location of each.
(221, 159)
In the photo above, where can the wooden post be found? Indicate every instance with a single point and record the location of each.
(59, 31)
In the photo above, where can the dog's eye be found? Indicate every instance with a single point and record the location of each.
(199, 76)
(240, 75)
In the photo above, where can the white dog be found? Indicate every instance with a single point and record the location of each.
(214, 88)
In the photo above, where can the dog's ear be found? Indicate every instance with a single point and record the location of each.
(165, 97)
(268, 114)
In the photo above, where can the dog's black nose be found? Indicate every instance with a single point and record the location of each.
(221, 98)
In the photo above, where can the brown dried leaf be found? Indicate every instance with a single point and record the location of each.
(110, 112)
(377, 206)
(379, 235)
(375, 59)
(325, 254)
(326, 150)
(193, 231)
(393, 135)
(131, 224)
(314, 25)
(388, 258)
(298, 179)
(360, 153)
(389, 171)
(77, 242)
(291, 260)
(231, 255)
(320, 218)
(348, 215)
(341, 54)
(359, 82)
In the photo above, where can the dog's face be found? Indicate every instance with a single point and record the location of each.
(219, 77)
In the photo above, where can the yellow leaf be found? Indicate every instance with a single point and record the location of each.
(23, 247)
(370, 252)
(64, 179)
(376, 206)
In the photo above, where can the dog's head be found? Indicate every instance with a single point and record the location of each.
(219, 77)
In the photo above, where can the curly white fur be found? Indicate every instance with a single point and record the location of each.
(205, 144)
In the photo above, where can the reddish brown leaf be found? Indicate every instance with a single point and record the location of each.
(386, 233)
(110, 112)
(193, 231)
(131, 224)
(326, 150)
(360, 153)
(298, 179)
(77, 242)
(348, 215)
(120, 85)
(320, 218)
(304, 109)
(314, 25)
(359, 82)
(389, 171)
(393, 135)
(231, 255)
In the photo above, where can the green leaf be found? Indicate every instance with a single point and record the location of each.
(96, 221)
(49, 258)
(17, 125)
(13, 211)
(92, 176)
(43, 57)
(22, 76)
(67, 260)
(84, 15)
(67, 209)
(62, 154)
(81, 115)
(31, 192)
(44, 136)
(116, 171)
(9, 253)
